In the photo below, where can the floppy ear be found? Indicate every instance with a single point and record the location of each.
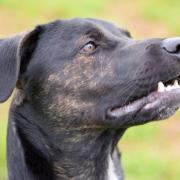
(15, 54)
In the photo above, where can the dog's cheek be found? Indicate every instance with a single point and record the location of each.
(62, 104)
(72, 93)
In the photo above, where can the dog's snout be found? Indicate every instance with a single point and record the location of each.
(172, 45)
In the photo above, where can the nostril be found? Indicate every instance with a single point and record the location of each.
(172, 45)
(178, 49)
(175, 50)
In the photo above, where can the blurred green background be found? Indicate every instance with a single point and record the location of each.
(150, 152)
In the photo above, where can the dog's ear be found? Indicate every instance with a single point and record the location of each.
(15, 54)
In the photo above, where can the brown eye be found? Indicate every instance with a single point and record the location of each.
(89, 47)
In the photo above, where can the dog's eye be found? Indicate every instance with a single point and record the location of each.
(90, 47)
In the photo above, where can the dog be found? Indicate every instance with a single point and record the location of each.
(80, 84)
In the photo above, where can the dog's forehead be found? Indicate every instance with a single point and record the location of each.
(83, 25)
(113, 28)
(61, 40)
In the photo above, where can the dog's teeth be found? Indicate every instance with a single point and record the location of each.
(176, 83)
(169, 88)
(161, 87)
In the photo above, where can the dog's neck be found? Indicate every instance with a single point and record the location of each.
(82, 153)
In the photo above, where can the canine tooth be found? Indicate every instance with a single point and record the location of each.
(161, 87)
(176, 83)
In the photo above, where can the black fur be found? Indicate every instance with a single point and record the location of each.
(58, 126)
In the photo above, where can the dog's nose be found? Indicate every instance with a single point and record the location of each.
(172, 45)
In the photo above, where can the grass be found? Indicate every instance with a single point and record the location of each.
(166, 11)
(3, 170)
(147, 155)
(63, 8)
(3, 130)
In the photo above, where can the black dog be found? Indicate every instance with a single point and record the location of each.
(80, 84)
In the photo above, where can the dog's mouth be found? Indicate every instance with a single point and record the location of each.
(163, 102)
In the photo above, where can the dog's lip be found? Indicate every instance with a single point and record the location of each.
(165, 94)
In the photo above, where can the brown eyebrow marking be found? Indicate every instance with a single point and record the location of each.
(82, 40)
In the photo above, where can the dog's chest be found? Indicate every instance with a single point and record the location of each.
(111, 173)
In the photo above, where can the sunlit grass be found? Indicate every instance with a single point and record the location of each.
(3, 130)
(148, 155)
(3, 170)
(166, 11)
(59, 8)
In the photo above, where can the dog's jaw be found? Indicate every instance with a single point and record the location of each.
(157, 105)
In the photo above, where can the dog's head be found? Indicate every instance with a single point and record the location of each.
(90, 72)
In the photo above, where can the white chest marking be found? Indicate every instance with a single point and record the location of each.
(111, 170)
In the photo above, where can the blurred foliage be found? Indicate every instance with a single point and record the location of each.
(64, 8)
(3, 170)
(146, 155)
(166, 11)
(150, 152)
